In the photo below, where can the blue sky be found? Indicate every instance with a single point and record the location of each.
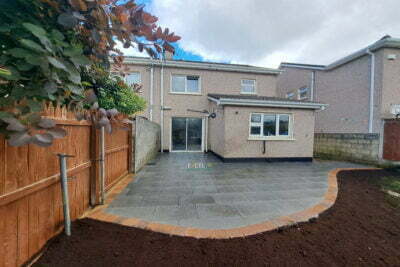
(180, 53)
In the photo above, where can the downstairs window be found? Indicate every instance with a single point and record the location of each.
(270, 126)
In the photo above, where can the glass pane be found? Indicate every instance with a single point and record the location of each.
(248, 88)
(193, 84)
(283, 124)
(194, 134)
(269, 125)
(248, 82)
(255, 130)
(133, 78)
(178, 84)
(256, 118)
(179, 134)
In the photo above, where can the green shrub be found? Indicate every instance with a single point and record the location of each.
(113, 92)
(117, 94)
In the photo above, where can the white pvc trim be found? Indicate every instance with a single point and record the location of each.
(151, 92)
(204, 66)
(371, 93)
(299, 66)
(162, 108)
(266, 103)
(312, 85)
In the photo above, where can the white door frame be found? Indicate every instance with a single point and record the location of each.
(202, 135)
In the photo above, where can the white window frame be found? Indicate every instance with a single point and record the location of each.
(291, 95)
(302, 90)
(203, 135)
(277, 137)
(186, 92)
(248, 93)
(133, 72)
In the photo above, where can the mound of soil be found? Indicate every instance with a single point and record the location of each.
(362, 228)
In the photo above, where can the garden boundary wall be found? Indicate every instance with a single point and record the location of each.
(30, 192)
(356, 147)
(147, 136)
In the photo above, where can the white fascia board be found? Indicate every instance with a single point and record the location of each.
(204, 66)
(389, 42)
(270, 103)
(299, 66)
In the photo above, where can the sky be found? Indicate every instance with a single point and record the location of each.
(266, 33)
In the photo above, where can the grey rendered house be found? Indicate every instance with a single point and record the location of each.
(230, 110)
(363, 94)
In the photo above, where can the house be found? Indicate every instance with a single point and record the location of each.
(228, 109)
(363, 94)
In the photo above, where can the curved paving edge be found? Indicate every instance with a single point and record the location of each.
(284, 221)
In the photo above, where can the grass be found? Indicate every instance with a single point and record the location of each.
(391, 183)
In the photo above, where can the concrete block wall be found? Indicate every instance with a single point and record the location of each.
(347, 146)
(147, 142)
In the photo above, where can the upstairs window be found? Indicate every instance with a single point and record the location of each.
(185, 84)
(290, 95)
(248, 86)
(303, 93)
(133, 78)
(270, 126)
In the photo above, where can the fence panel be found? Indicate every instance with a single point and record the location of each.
(391, 144)
(30, 194)
(117, 150)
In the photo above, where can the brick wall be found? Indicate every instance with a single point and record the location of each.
(147, 142)
(353, 147)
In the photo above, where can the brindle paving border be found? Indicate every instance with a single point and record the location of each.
(284, 221)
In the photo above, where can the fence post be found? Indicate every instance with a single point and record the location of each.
(95, 169)
(64, 190)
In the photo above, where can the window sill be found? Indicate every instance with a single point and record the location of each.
(183, 93)
(271, 139)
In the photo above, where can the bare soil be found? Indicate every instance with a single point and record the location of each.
(361, 229)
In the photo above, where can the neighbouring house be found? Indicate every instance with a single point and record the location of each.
(363, 94)
(228, 109)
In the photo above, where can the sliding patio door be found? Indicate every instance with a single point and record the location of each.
(186, 135)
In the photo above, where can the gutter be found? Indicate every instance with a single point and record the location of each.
(268, 103)
(204, 66)
(383, 43)
(386, 42)
(301, 66)
(371, 93)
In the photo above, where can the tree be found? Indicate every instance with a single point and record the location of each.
(47, 45)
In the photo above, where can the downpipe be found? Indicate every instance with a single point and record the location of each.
(371, 93)
(162, 105)
(64, 189)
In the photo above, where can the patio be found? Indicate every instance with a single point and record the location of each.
(197, 190)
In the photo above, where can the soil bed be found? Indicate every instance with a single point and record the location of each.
(362, 228)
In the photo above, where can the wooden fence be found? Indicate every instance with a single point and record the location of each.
(30, 194)
(391, 140)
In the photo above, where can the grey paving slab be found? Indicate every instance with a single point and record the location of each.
(198, 190)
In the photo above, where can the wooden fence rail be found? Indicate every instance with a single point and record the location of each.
(30, 194)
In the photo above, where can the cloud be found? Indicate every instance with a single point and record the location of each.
(264, 33)
(132, 51)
